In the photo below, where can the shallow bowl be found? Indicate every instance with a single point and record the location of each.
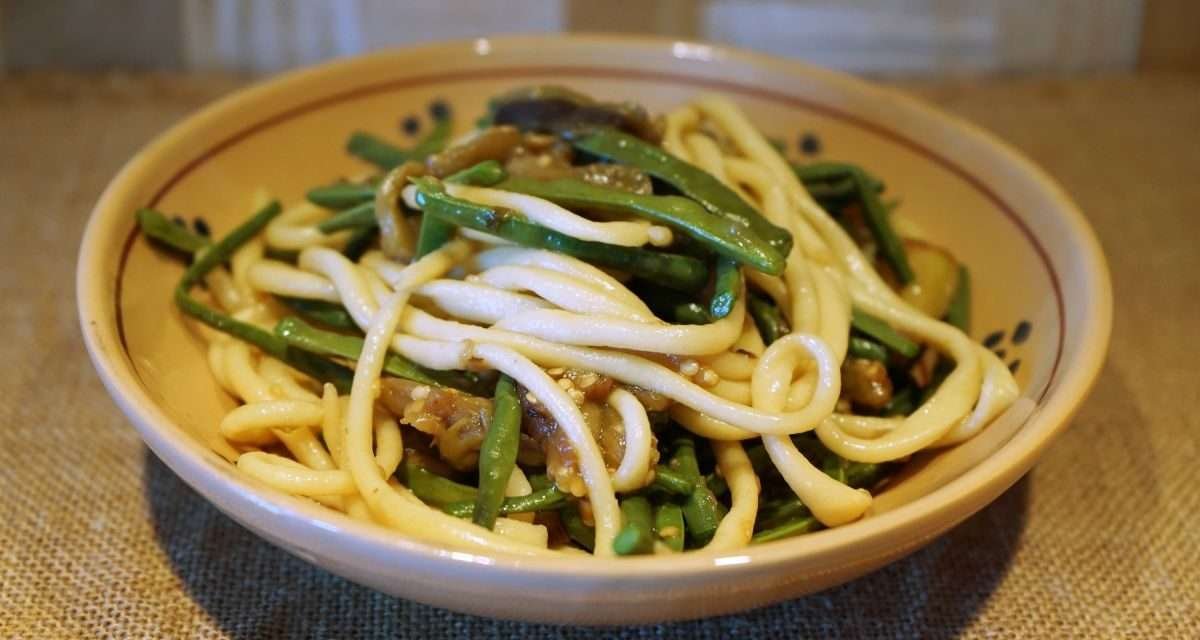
(1042, 296)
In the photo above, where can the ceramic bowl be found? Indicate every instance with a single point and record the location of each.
(1042, 297)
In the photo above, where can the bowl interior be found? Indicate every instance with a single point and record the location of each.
(1034, 263)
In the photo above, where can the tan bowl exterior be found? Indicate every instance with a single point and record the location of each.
(1032, 256)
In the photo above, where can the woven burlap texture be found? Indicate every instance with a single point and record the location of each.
(99, 539)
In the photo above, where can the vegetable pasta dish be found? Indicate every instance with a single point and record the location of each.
(579, 328)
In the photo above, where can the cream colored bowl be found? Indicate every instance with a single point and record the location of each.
(1035, 264)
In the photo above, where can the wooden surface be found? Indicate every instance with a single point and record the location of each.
(1102, 539)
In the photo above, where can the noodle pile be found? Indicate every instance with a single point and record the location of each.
(480, 303)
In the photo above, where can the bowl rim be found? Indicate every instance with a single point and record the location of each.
(192, 462)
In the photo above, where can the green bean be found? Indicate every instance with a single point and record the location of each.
(683, 460)
(877, 220)
(723, 236)
(543, 500)
(833, 172)
(436, 232)
(687, 178)
(356, 217)
(341, 195)
(884, 333)
(484, 174)
(434, 489)
(959, 312)
(576, 528)
(669, 525)
(669, 304)
(778, 512)
(703, 514)
(329, 314)
(434, 141)
(769, 320)
(727, 287)
(901, 404)
(716, 483)
(672, 482)
(498, 454)
(540, 481)
(157, 226)
(316, 367)
(794, 528)
(637, 535)
(680, 272)
(387, 157)
(300, 335)
(867, 348)
(359, 242)
(379, 153)
(701, 509)
(835, 190)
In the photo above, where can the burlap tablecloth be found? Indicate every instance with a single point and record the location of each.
(99, 539)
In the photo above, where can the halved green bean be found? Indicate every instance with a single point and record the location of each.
(680, 272)
(959, 312)
(436, 232)
(876, 217)
(794, 528)
(701, 509)
(157, 226)
(716, 483)
(669, 525)
(866, 348)
(884, 333)
(576, 528)
(319, 368)
(833, 172)
(356, 217)
(386, 156)
(374, 150)
(779, 512)
(434, 489)
(329, 314)
(484, 174)
(671, 482)
(687, 178)
(703, 513)
(540, 481)
(637, 534)
(303, 336)
(542, 500)
(727, 288)
(341, 195)
(434, 141)
(903, 402)
(683, 459)
(722, 235)
(769, 320)
(498, 453)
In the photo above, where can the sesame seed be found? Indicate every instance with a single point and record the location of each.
(689, 368)
(576, 395)
(709, 378)
(530, 398)
(565, 384)
(421, 392)
(556, 371)
(587, 380)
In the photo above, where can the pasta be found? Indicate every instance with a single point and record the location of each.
(529, 357)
